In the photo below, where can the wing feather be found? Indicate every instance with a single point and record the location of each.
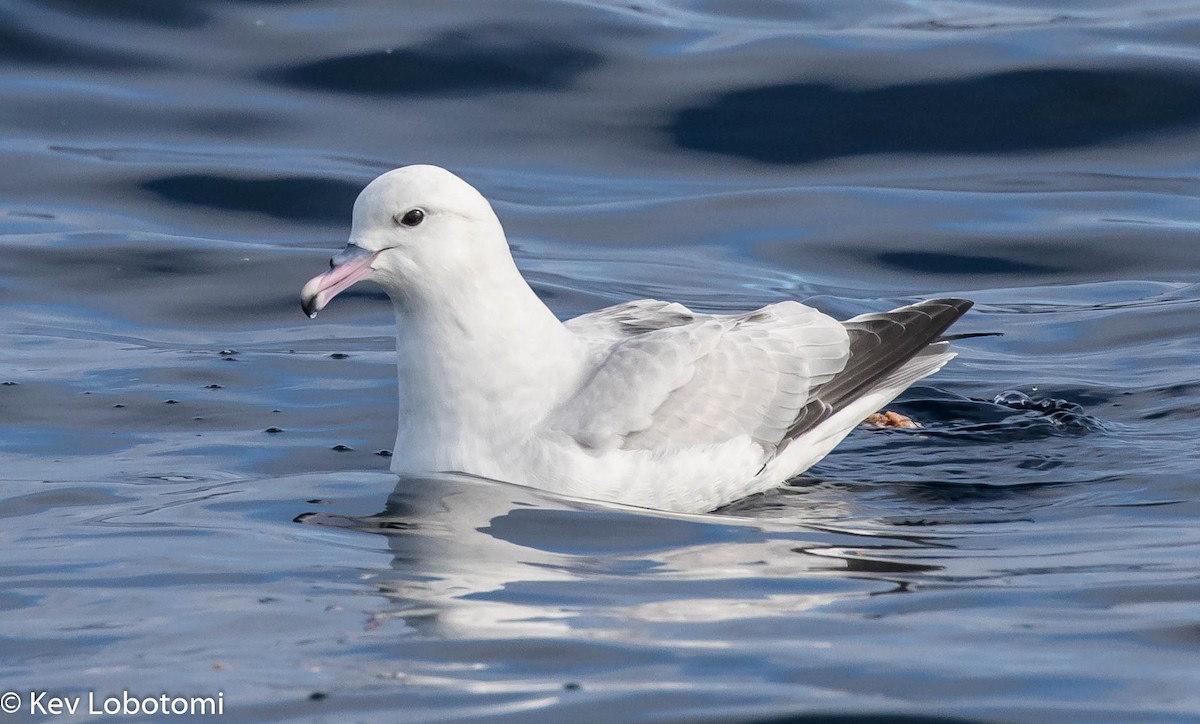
(701, 379)
(880, 344)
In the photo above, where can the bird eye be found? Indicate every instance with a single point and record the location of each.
(412, 217)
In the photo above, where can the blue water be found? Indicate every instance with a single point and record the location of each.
(193, 494)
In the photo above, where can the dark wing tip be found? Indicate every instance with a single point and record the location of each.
(879, 345)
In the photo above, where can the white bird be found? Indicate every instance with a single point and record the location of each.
(644, 403)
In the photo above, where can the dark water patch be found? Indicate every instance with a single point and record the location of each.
(22, 45)
(176, 14)
(929, 262)
(294, 198)
(859, 564)
(1007, 112)
(595, 533)
(453, 63)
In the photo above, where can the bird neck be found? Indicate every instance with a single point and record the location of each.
(490, 356)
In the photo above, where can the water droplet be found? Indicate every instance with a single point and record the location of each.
(1012, 398)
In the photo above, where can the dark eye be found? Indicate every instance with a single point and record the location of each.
(412, 217)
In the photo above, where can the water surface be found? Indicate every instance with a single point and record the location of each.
(192, 488)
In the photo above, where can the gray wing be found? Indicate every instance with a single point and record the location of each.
(880, 344)
(675, 379)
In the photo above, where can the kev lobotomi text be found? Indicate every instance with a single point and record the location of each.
(126, 704)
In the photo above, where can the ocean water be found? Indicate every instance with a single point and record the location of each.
(193, 476)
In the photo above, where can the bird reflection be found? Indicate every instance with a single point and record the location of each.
(475, 558)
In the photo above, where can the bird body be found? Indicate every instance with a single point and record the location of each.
(645, 403)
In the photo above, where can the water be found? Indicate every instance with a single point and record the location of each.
(174, 171)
